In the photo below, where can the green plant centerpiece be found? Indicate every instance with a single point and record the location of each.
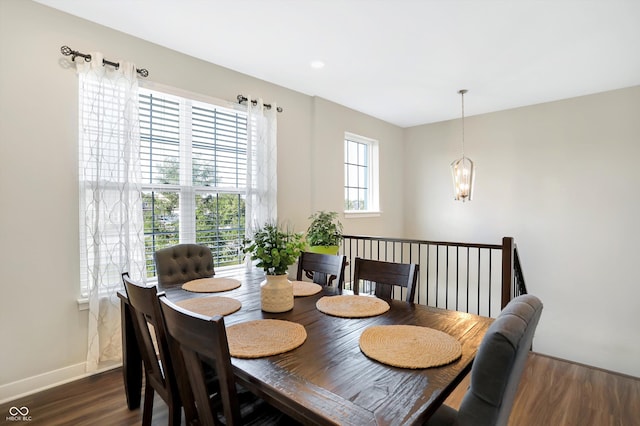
(275, 249)
(325, 233)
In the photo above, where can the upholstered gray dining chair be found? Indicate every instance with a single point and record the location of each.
(183, 262)
(497, 368)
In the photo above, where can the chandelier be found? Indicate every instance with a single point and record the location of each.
(462, 169)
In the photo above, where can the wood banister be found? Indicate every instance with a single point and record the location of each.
(507, 270)
(521, 287)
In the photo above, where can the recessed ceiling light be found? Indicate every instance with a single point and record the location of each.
(317, 64)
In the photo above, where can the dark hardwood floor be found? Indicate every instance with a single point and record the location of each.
(552, 392)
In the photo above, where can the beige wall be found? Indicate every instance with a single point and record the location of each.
(42, 332)
(562, 179)
(331, 121)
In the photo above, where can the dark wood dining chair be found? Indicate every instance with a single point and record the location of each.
(386, 275)
(183, 262)
(497, 368)
(203, 343)
(161, 376)
(322, 268)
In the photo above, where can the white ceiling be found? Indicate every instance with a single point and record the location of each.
(402, 61)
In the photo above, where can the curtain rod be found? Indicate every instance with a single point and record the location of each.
(67, 51)
(242, 98)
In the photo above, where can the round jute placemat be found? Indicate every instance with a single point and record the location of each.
(211, 285)
(265, 337)
(211, 306)
(409, 346)
(304, 288)
(352, 306)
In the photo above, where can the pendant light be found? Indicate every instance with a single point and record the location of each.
(462, 169)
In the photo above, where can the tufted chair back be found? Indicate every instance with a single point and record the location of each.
(183, 262)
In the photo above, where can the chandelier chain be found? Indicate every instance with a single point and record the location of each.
(462, 92)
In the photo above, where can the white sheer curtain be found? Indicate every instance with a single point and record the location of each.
(111, 224)
(262, 181)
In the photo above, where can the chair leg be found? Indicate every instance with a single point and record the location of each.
(190, 414)
(175, 413)
(147, 411)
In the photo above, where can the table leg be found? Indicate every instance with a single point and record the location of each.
(131, 358)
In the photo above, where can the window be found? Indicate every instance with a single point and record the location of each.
(360, 174)
(194, 168)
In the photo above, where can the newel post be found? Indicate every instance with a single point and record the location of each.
(507, 269)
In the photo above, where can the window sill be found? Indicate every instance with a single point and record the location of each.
(83, 303)
(358, 214)
(83, 300)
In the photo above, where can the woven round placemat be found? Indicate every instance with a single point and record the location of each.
(211, 306)
(352, 306)
(409, 346)
(211, 285)
(265, 337)
(304, 288)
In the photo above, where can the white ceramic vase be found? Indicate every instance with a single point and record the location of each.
(276, 294)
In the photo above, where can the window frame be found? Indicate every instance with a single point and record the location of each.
(372, 164)
(186, 189)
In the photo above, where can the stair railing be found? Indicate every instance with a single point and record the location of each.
(468, 277)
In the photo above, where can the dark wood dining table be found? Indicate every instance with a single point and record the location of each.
(328, 380)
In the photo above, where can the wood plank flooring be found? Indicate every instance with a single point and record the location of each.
(552, 392)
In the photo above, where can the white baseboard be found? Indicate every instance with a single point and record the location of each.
(21, 388)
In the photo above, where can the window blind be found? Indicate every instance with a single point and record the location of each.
(194, 167)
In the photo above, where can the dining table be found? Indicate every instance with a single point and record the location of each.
(328, 380)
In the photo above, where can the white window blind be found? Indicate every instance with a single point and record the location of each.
(194, 167)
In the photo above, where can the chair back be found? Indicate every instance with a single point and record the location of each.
(203, 339)
(499, 364)
(183, 262)
(159, 365)
(322, 268)
(386, 275)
